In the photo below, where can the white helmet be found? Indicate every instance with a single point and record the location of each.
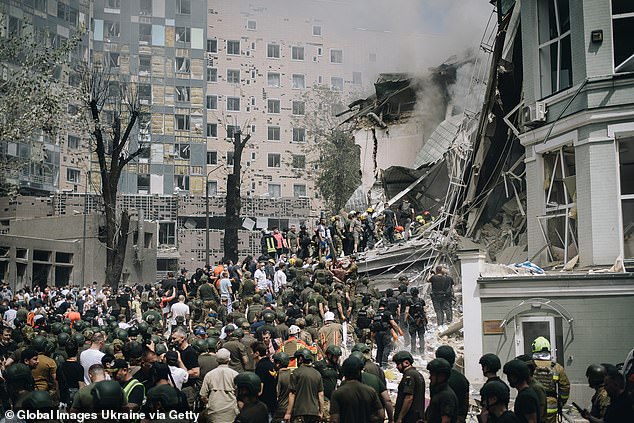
(293, 330)
(329, 316)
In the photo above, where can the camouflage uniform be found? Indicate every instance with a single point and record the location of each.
(553, 376)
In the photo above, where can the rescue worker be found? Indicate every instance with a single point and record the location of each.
(595, 373)
(354, 401)
(552, 376)
(443, 405)
(410, 400)
(306, 392)
(403, 298)
(364, 320)
(526, 406)
(442, 295)
(331, 333)
(382, 325)
(133, 390)
(292, 344)
(416, 319)
(495, 400)
(369, 366)
(457, 382)
(329, 369)
(247, 389)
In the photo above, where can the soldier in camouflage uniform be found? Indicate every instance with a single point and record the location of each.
(600, 400)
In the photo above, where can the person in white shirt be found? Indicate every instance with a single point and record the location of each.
(259, 276)
(9, 316)
(179, 374)
(179, 309)
(92, 355)
(280, 278)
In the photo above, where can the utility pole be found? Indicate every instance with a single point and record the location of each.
(233, 204)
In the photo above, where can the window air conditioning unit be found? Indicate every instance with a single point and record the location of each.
(534, 114)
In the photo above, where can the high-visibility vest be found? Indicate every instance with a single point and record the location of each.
(270, 245)
(130, 386)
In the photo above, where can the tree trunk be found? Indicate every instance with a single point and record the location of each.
(233, 205)
(116, 256)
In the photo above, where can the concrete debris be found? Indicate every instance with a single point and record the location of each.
(453, 328)
(572, 263)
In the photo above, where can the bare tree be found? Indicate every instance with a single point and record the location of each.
(234, 202)
(113, 109)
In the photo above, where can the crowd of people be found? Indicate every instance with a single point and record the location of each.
(259, 341)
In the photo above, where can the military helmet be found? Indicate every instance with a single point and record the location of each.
(238, 333)
(108, 395)
(62, 339)
(38, 343)
(66, 328)
(133, 331)
(517, 368)
(49, 347)
(361, 347)
(17, 372)
(334, 350)
(268, 316)
(495, 388)
(150, 319)
(446, 352)
(595, 374)
(121, 334)
(37, 400)
(358, 354)
(79, 339)
(439, 365)
(200, 346)
(238, 322)
(113, 326)
(56, 328)
(491, 361)
(151, 304)
(248, 380)
(540, 344)
(79, 325)
(310, 319)
(160, 349)
(88, 333)
(352, 365)
(414, 291)
(304, 354)
(282, 358)
(143, 327)
(111, 319)
(383, 302)
(245, 326)
(401, 356)
(402, 288)
(212, 343)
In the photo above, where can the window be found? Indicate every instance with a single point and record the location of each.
(113, 60)
(73, 142)
(212, 157)
(299, 161)
(233, 47)
(145, 8)
(183, 34)
(182, 93)
(622, 23)
(275, 190)
(336, 56)
(143, 183)
(252, 25)
(73, 175)
(181, 122)
(297, 53)
(299, 108)
(273, 133)
(114, 4)
(273, 51)
(145, 33)
(317, 30)
(181, 182)
(212, 46)
(531, 327)
(231, 131)
(319, 51)
(555, 53)
(299, 135)
(183, 7)
(110, 29)
(299, 190)
(336, 84)
(233, 76)
(145, 63)
(356, 78)
(274, 160)
(167, 233)
(372, 57)
(212, 75)
(273, 106)
(299, 81)
(212, 102)
(229, 158)
(145, 93)
(626, 173)
(233, 104)
(212, 188)
(212, 131)
(273, 79)
(182, 65)
(182, 151)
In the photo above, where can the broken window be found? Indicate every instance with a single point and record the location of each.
(336, 56)
(233, 76)
(145, 93)
(299, 81)
(317, 30)
(299, 161)
(252, 25)
(233, 47)
(233, 104)
(275, 190)
(299, 135)
(559, 224)
(183, 7)
(181, 182)
(212, 157)
(273, 79)
(299, 108)
(297, 53)
(167, 233)
(182, 65)
(182, 122)
(274, 160)
(273, 133)
(622, 24)
(182, 151)
(336, 83)
(555, 53)
(73, 142)
(73, 175)
(111, 29)
(113, 60)
(183, 34)
(299, 190)
(229, 158)
(145, 33)
(231, 131)
(145, 8)
(182, 93)
(143, 183)
(212, 75)
(273, 51)
(626, 171)
(145, 63)
(212, 46)
(273, 106)
(212, 130)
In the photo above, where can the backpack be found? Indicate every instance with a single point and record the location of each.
(380, 322)
(363, 318)
(544, 374)
(417, 312)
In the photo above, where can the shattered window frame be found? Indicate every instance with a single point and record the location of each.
(555, 49)
(182, 93)
(182, 64)
(145, 33)
(182, 150)
(622, 47)
(274, 189)
(183, 34)
(145, 7)
(143, 183)
(112, 29)
(167, 233)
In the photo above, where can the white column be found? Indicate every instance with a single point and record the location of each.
(471, 264)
